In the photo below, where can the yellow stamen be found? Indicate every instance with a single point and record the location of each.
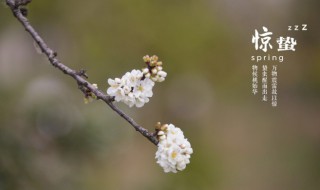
(174, 155)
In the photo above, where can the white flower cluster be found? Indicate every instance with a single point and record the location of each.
(135, 87)
(130, 89)
(174, 150)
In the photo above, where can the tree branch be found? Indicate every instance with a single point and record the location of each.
(78, 76)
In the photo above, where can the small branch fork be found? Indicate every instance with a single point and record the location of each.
(80, 76)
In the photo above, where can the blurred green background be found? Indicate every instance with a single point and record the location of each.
(49, 139)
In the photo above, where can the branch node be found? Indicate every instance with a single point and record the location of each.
(24, 11)
(52, 54)
(82, 73)
(19, 3)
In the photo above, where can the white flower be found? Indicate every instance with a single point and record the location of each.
(116, 88)
(143, 91)
(131, 78)
(131, 89)
(174, 150)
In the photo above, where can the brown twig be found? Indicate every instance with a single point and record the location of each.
(15, 6)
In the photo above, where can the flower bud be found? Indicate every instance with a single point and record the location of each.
(161, 79)
(160, 133)
(164, 127)
(145, 70)
(162, 74)
(147, 75)
(154, 71)
(146, 58)
(154, 58)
